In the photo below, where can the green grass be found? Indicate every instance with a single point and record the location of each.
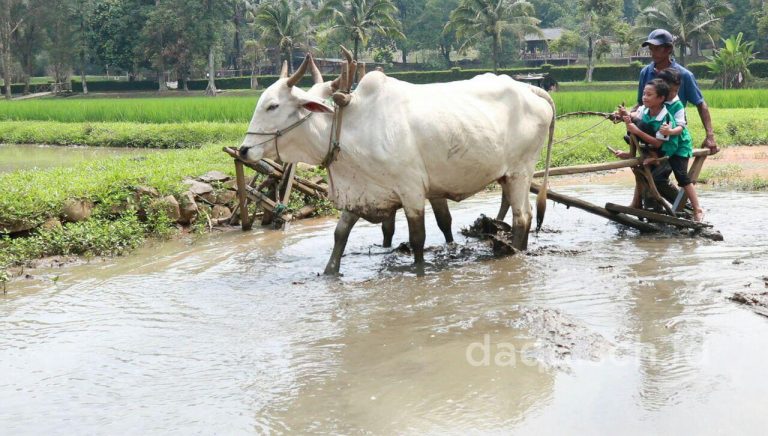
(138, 135)
(239, 109)
(606, 101)
(137, 110)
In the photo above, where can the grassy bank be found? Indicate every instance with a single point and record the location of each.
(124, 134)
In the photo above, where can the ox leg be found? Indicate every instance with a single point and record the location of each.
(340, 237)
(417, 234)
(388, 229)
(517, 197)
(443, 217)
(503, 208)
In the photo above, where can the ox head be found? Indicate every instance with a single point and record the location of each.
(281, 109)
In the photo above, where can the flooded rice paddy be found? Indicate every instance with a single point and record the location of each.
(595, 331)
(25, 157)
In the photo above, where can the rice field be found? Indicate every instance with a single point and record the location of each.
(239, 109)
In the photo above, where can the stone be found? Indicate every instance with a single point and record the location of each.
(198, 188)
(146, 190)
(75, 210)
(305, 166)
(51, 223)
(16, 227)
(214, 176)
(187, 208)
(169, 205)
(221, 213)
(225, 197)
(230, 184)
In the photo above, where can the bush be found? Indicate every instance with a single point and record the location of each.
(114, 85)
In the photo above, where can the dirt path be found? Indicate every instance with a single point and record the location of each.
(753, 161)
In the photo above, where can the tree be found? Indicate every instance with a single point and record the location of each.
(599, 17)
(569, 41)
(409, 12)
(476, 20)
(116, 31)
(624, 36)
(730, 64)
(358, 20)
(63, 35)
(282, 23)
(429, 30)
(253, 53)
(29, 39)
(12, 16)
(686, 20)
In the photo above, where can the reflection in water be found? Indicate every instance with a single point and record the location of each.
(237, 334)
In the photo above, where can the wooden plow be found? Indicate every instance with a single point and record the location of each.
(644, 220)
(272, 194)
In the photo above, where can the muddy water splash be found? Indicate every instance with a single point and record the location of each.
(599, 330)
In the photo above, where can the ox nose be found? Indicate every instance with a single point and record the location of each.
(243, 151)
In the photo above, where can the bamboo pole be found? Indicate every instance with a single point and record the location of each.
(592, 168)
(241, 196)
(656, 217)
(597, 210)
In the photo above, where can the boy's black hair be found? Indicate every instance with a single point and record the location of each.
(661, 87)
(670, 75)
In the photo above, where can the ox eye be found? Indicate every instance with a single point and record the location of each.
(272, 107)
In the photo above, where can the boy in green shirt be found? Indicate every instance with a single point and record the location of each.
(670, 139)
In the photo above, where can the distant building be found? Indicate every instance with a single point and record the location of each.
(537, 52)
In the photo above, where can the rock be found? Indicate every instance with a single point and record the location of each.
(198, 188)
(169, 205)
(305, 212)
(221, 213)
(188, 208)
(214, 176)
(146, 190)
(16, 227)
(51, 223)
(75, 210)
(305, 166)
(225, 197)
(230, 184)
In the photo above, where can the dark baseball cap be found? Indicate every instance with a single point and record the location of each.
(659, 37)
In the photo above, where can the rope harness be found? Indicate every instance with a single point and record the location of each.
(278, 133)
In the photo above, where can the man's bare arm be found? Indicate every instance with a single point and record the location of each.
(706, 120)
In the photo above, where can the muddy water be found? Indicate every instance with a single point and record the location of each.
(25, 157)
(596, 331)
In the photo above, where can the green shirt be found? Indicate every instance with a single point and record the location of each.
(685, 142)
(673, 145)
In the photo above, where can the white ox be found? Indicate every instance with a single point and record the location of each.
(402, 144)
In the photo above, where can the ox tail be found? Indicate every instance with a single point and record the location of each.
(541, 198)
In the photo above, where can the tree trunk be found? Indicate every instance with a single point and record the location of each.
(161, 85)
(210, 90)
(83, 50)
(254, 81)
(445, 51)
(495, 54)
(5, 46)
(590, 67)
(682, 52)
(405, 53)
(357, 45)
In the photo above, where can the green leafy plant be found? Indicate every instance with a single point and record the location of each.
(730, 64)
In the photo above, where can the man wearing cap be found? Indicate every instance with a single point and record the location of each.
(659, 43)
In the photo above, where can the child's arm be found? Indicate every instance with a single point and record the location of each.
(648, 139)
(669, 131)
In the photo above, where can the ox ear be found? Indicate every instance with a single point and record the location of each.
(315, 105)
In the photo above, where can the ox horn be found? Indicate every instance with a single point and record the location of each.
(347, 54)
(298, 74)
(317, 77)
(284, 70)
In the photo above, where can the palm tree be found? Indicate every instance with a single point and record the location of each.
(475, 20)
(687, 20)
(730, 64)
(282, 23)
(358, 20)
